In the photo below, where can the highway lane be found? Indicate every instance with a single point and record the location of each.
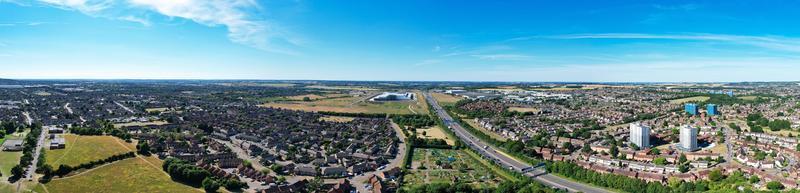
(487, 151)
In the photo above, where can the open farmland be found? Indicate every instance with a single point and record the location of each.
(82, 149)
(445, 99)
(139, 174)
(353, 104)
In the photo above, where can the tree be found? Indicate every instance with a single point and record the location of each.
(306, 99)
(682, 159)
(654, 151)
(715, 175)
(210, 185)
(773, 185)
(614, 151)
(660, 161)
(17, 171)
(754, 179)
(683, 168)
(586, 148)
(143, 148)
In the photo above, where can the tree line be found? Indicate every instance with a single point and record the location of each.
(185, 172)
(523, 186)
(28, 147)
(415, 121)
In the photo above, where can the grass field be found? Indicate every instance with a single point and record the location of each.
(524, 109)
(353, 104)
(129, 175)
(749, 98)
(445, 99)
(443, 165)
(82, 149)
(8, 159)
(689, 99)
(475, 125)
(784, 133)
(150, 110)
(119, 125)
(435, 132)
(339, 119)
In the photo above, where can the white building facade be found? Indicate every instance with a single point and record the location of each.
(640, 135)
(688, 138)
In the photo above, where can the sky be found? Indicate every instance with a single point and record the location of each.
(409, 40)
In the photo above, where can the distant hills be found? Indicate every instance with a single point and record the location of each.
(8, 81)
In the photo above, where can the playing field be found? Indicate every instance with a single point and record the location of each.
(689, 99)
(120, 125)
(524, 109)
(129, 175)
(434, 132)
(82, 149)
(749, 98)
(353, 104)
(339, 119)
(8, 159)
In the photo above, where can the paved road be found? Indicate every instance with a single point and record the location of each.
(358, 181)
(39, 144)
(487, 151)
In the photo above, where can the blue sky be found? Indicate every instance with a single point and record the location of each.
(609, 41)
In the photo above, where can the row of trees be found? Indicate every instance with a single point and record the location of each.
(190, 174)
(363, 115)
(28, 148)
(415, 121)
(623, 183)
(523, 186)
(102, 127)
(9, 127)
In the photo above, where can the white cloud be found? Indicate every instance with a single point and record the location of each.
(85, 6)
(139, 20)
(239, 17)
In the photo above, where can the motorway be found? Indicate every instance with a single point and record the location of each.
(488, 152)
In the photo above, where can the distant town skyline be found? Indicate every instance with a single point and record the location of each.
(527, 41)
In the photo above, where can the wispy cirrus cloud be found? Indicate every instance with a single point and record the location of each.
(769, 42)
(428, 62)
(14, 24)
(501, 56)
(242, 18)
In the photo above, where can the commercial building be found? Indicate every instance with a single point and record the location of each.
(691, 108)
(711, 109)
(688, 138)
(391, 96)
(639, 135)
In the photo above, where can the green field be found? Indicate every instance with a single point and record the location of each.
(83, 149)
(690, 99)
(443, 165)
(129, 175)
